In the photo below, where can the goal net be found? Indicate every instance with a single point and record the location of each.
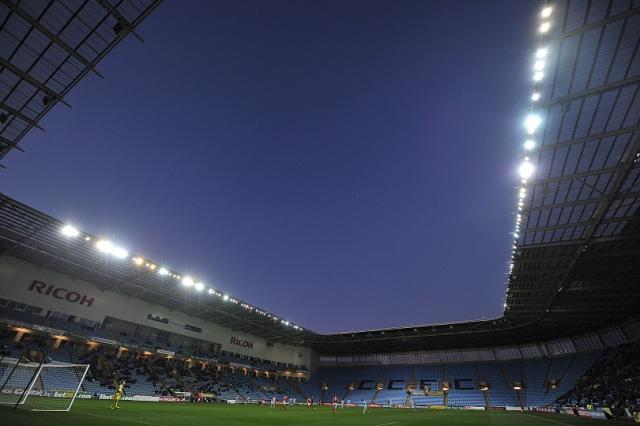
(46, 386)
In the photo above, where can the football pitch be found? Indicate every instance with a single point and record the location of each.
(97, 413)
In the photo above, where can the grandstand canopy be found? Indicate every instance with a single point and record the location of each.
(576, 263)
(50, 45)
(34, 236)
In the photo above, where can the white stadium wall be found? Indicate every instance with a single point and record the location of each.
(52, 291)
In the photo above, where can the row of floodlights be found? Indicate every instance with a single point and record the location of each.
(109, 248)
(531, 123)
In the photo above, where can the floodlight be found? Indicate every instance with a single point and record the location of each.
(104, 246)
(539, 64)
(163, 271)
(138, 260)
(225, 297)
(545, 27)
(69, 231)
(210, 291)
(529, 144)
(119, 252)
(532, 122)
(541, 53)
(526, 170)
(535, 97)
(546, 12)
(199, 286)
(538, 76)
(187, 281)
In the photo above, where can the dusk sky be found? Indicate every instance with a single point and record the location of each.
(346, 165)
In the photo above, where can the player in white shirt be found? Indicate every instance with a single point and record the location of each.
(272, 403)
(342, 404)
(365, 409)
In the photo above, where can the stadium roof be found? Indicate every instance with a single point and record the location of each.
(576, 257)
(36, 237)
(49, 46)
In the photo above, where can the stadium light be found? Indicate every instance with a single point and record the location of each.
(225, 297)
(541, 53)
(138, 260)
(545, 27)
(119, 252)
(546, 12)
(69, 231)
(535, 96)
(532, 122)
(539, 65)
(538, 76)
(210, 291)
(529, 144)
(199, 286)
(187, 281)
(526, 170)
(163, 271)
(105, 246)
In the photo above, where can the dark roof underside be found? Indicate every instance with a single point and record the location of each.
(47, 46)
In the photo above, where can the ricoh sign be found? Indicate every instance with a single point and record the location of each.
(60, 293)
(242, 343)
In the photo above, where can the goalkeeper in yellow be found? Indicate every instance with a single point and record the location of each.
(117, 395)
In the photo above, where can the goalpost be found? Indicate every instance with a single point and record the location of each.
(40, 386)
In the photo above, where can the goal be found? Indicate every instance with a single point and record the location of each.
(44, 386)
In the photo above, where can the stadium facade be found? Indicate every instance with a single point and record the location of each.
(572, 284)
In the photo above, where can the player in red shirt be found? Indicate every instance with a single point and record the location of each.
(334, 404)
(285, 402)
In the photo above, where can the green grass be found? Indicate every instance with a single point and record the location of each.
(97, 413)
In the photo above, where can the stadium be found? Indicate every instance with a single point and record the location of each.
(93, 332)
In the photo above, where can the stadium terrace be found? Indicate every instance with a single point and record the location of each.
(86, 322)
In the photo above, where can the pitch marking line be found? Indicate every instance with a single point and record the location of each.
(386, 424)
(548, 420)
(121, 420)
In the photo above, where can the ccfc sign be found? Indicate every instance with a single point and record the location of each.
(60, 293)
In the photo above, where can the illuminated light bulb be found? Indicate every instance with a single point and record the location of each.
(225, 297)
(104, 246)
(541, 53)
(529, 144)
(535, 97)
(539, 65)
(532, 122)
(69, 231)
(210, 291)
(538, 76)
(545, 27)
(119, 252)
(526, 170)
(546, 12)
(138, 260)
(199, 286)
(163, 271)
(187, 281)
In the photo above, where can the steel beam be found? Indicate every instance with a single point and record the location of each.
(51, 36)
(31, 80)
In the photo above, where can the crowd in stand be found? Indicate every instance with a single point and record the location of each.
(145, 373)
(613, 381)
